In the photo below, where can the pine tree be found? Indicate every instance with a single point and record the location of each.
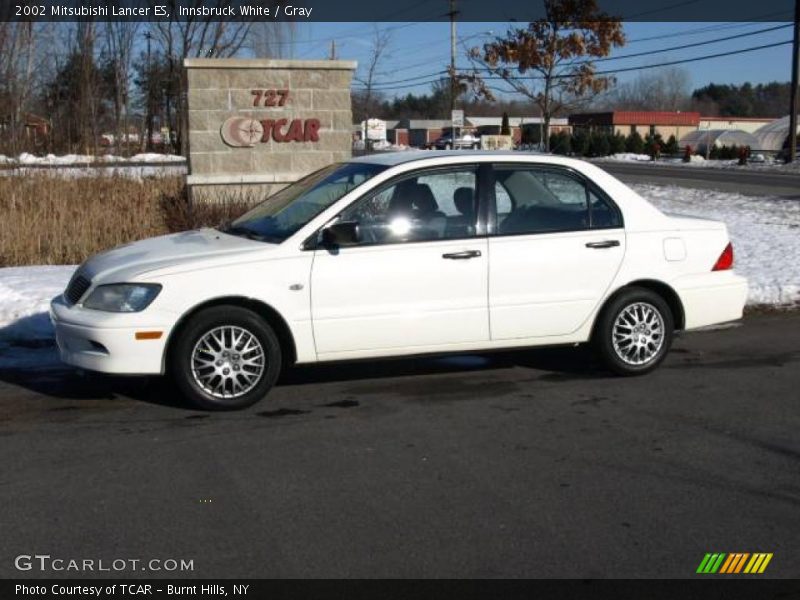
(505, 129)
(634, 143)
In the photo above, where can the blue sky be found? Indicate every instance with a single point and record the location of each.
(418, 49)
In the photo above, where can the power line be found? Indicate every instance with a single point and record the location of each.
(706, 29)
(662, 50)
(664, 64)
(391, 84)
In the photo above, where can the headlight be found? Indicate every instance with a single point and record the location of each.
(122, 297)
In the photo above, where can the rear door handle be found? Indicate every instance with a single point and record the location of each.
(603, 244)
(466, 254)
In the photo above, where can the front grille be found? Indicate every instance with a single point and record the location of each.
(77, 288)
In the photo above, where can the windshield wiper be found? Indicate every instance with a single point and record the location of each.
(243, 232)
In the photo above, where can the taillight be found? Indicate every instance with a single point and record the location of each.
(725, 260)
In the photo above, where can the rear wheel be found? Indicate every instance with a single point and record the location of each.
(225, 357)
(634, 332)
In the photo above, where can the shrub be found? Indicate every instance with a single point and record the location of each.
(599, 144)
(617, 143)
(634, 143)
(46, 219)
(671, 147)
(560, 143)
(580, 142)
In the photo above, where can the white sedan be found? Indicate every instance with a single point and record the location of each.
(400, 254)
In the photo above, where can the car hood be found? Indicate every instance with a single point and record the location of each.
(131, 261)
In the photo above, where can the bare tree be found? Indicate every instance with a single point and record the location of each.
(379, 51)
(197, 36)
(272, 39)
(660, 89)
(120, 38)
(18, 58)
(558, 51)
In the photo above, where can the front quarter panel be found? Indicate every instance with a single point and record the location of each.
(281, 283)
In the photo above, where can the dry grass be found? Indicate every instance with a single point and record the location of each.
(52, 220)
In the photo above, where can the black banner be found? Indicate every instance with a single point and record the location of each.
(705, 589)
(370, 11)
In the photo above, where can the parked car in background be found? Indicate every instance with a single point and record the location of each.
(396, 254)
(465, 141)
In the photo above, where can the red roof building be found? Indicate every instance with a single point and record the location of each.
(665, 123)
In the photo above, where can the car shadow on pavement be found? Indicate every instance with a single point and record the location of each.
(58, 381)
(559, 363)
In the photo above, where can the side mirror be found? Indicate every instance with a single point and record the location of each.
(343, 233)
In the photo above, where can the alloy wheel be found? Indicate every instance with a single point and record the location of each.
(228, 362)
(638, 333)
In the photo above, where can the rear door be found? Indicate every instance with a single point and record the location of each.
(556, 246)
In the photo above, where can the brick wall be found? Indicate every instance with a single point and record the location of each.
(223, 160)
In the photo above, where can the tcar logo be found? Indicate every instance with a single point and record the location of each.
(734, 563)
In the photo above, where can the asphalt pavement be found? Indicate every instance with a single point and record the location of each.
(753, 180)
(524, 464)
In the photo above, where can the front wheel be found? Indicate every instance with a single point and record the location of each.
(225, 358)
(634, 332)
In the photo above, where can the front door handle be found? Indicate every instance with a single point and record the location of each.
(603, 244)
(466, 254)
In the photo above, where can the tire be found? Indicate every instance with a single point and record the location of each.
(447, 146)
(634, 312)
(220, 334)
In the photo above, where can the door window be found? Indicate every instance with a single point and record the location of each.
(437, 205)
(538, 200)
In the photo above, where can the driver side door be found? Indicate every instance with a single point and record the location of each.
(417, 278)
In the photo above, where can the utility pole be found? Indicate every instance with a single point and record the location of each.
(333, 50)
(792, 155)
(453, 55)
(149, 127)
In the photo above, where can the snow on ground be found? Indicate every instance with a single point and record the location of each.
(628, 157)
(26, 335)
(84, 165)
(758, 162)
(765, 233)
(79, 159)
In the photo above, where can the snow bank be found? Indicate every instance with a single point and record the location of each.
(80, 159)
(629, 156)
(26, 335)
(764, 230)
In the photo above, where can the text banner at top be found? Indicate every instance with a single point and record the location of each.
(371, 11)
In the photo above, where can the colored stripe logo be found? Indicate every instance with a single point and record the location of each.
(734, 563)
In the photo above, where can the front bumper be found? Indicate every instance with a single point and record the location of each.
(106, 348)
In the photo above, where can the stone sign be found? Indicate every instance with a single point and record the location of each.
(256, 125)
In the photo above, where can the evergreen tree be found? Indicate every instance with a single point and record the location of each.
(617, 143)
(561, 143)
(599, 144)
(580, 142)
(671, 147)
(505, 129)
(634, 143)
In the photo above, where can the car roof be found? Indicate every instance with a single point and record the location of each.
(391, 159)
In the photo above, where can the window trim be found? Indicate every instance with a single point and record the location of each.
(481, 171)
(589, 185)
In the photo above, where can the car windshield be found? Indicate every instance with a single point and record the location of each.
(285, 212)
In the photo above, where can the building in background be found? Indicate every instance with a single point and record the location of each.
(625, 122)
(748, 124)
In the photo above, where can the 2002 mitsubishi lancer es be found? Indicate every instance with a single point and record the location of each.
(399, 254)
